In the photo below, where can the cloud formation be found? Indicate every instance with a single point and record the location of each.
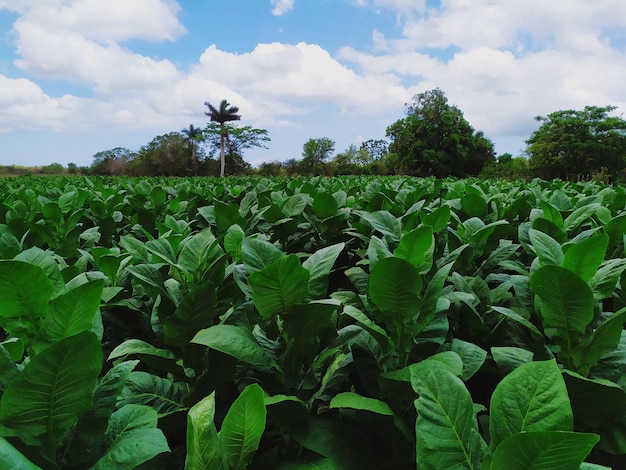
(502, 63)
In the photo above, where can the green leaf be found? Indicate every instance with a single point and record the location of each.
(566, 303)
(417, 248)
(359, 402)
(446, 360)
(543, 450)
(509, 358)
(279, 286)
(446, 429)
(243, 427)
(473, 356)
(533, 397)
(73, 312)
(143, 388)
(437, 219)
(13, 459)
(547, 248)
(196, 249)
(325, 205)
(319, 264)
(432, 295)
(18, 299)
(394, 287)
(294, 205)
(54, 388)
(163, 250)
(603, 339)
(88, 437)
(234, 341)
(233, 241)
(585, 257)
(137, 346)
(204, 449)
(132, 438)
(258, 254)
(385, 223)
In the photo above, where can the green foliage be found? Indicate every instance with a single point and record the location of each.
(355, 322)
(434, 139)
(572, 144)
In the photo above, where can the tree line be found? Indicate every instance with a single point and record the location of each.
(432, 139)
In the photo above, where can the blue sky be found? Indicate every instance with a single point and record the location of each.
(81, 76)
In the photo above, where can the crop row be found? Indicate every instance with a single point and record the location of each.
(312, 323)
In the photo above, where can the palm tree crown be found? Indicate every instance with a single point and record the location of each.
(222, 115)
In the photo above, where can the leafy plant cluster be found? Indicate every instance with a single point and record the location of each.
(340, 323)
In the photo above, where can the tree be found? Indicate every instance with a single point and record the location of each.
(165, 155)
(436, 140)
(111, 162)
(315, 152)
(222, 115)
(573, 144)
(193, 135)
(239, 139)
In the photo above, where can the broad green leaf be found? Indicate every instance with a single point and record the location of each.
(417, 248)
(11, 458)
(137, 346)
(234, 341)
(533, 397)
(359, 402)
(143, 388)
(516, 317)
(325, 205)
(584, 258)
(543, 450)
(432, 295)
(135, 248)
(195, 312)
(319, 264)
(162, 249)
(227, 215)
(72, 312)
(580, 215)
(547, 248)
(46, 261)
(473, 356)
(54, 388)
(446, 429)
(385, 223)
(336, 441)
(294, 205)
(196, 249)
(243, 427)
(89, 432)
(394, 286)
(447, 360)
(233, 241)
(509, 358)
(204, 449)
(566, 303)
(603, 339)
(258, 254)
(132, 438)
(437, 219)
(279, 286)
(19, 301)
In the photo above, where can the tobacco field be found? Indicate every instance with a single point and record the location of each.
(311, 323)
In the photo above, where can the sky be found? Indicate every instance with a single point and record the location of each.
(82, 76)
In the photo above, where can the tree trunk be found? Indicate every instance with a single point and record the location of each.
(222, 159)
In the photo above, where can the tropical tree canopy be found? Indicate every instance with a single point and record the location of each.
(314, 153)
(222, 115)
(434, 139)
(193, 135)
(572, 144)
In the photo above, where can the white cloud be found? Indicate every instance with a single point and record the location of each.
(281, 6)
(24, 105)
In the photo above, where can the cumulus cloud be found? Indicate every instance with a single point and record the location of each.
(281, 6)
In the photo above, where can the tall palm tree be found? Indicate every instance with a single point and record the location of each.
(193, 135)
(222, 115)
